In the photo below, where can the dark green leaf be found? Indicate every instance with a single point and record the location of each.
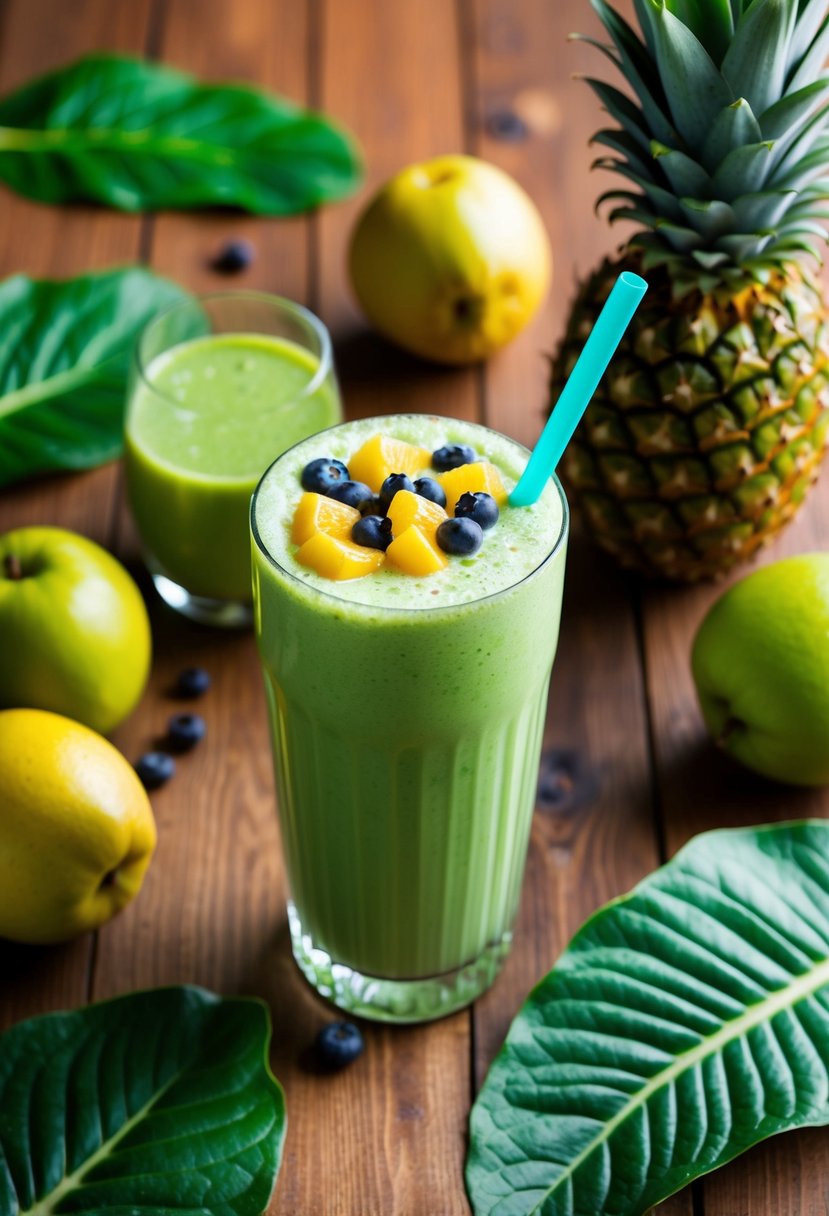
(139, 136)
(813, 62)
(709, 217)
(811, 15)
(695, 90)
(755, 63)
(620, 107)
(761, 210)
(685, 175)
(65, 350)
(744, 169)
(709, 20)
(638, 69)
(684, 1023)
(788, 113)
(733, 126)
(155, 1104)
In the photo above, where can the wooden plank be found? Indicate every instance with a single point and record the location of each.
(593, 836)
(37, 36)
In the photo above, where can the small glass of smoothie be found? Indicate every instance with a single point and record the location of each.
(407, 705)
(220, 386)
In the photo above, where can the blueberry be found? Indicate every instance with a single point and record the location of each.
(392, 485)
(154, 768)
(452, 456)
(352, 493)
(373, 531)
(233, 257)
(371, 506)
(481, 507)
(185, 731)
(322, 474)
(430, 489)
(462, 537)
(337, 1045)
(192, 682)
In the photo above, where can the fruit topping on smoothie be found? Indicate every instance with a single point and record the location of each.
(472, 479)
(481, 507)
(316, 513)
(338, 559)
(428, 488)
(352, 527)
(413, 553)
(322, 475)
(452, 456)
(460, 536)
(374, 531)
(382, 455)
(352, 493)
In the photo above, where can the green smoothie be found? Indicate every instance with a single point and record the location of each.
(205, 419)
(407, 716)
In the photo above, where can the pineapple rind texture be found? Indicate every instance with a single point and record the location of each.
(708, 429)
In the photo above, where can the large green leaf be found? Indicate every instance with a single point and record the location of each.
(65, 349)
(139, 136)
(685, 1022)
(151, 1104)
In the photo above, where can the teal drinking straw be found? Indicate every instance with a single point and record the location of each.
(598, 350)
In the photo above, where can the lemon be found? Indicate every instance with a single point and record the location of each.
(76, 828)
(761, 667)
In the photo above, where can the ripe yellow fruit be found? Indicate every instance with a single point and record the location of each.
(76, 828)
(450, 259)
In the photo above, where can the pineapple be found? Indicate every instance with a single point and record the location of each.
(708, 429)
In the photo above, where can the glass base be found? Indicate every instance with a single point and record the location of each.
(226, 614)
(400, 1001)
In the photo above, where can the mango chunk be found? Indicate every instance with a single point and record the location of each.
(412, 553)
(316, 513)
(407, 509)
(338, 559)
(480, 477)
(380, 456)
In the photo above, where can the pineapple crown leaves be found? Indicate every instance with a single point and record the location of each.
(725, 137)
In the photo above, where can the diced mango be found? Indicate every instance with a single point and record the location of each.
(480, 477)
(338, 559)
(412, 553)
(381, 455)
(316, 513)
(408, 508)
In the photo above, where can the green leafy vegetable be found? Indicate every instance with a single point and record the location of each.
(65, 350)
(152, 1103)
(685, 1022)
(140, 137)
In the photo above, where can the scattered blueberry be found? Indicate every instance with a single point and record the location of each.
(185, 731)
(322, 474)
(394, 483)
(373, 531)
(352, 493)
(462, 537)
(233, 257)
(338, 1044)
(452, 456)
(430, 489)
(154, 768)
(481, 507)
(192, 682)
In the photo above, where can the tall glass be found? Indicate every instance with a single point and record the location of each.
(220, 386)
(406, 745)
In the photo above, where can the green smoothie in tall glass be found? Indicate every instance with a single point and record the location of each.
(407, 715)
(206, 416)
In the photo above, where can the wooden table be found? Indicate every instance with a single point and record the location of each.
(638, 777)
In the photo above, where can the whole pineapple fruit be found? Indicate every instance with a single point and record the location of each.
(708, 429)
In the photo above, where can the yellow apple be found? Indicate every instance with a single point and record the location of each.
(74, 629)
(450, 259)
(76, 828)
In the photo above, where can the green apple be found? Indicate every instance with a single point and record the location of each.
(761, 666)
(74, 629)
(450, 259)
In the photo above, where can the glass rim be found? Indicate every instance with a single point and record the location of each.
(326, 356)
(394, 610)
